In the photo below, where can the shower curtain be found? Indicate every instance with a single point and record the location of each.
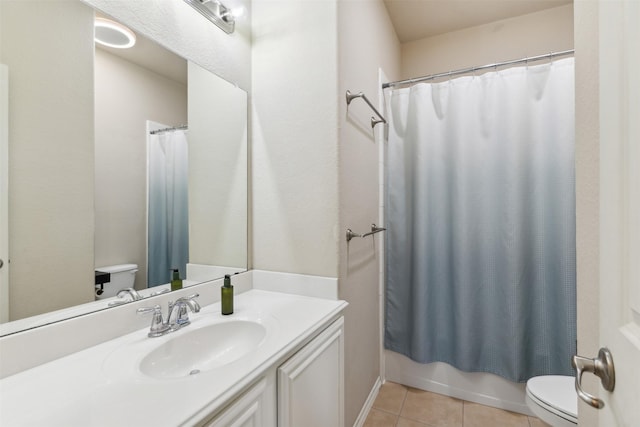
(168, 218)
(480, 267)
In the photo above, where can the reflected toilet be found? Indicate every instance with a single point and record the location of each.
(119, 277)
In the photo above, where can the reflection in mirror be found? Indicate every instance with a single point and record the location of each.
(168, 203)
(82, 189)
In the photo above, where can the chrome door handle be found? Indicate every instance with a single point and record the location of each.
(602, 366)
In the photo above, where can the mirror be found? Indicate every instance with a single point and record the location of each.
(79, 147)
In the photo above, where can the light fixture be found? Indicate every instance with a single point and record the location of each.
(216, 12)
(113, 34)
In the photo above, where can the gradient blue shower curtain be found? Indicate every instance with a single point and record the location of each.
(168, 217)
(480, 208)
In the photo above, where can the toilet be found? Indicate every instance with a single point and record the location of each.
(553, 399)
(113, 278)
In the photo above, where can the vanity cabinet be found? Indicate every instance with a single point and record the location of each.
(309, 390)
(293, 364)
(311, 383)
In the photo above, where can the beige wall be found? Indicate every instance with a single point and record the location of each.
(51, 154)
(217, 171)
(315, 166)
(294, 137)
(367, 42)
(537, 33)
(126, 96)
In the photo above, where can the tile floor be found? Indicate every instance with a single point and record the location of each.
(401, 406)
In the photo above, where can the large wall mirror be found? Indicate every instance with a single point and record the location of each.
(117, 157)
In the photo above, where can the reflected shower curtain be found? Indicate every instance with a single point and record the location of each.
(481, 222)
(168, 226)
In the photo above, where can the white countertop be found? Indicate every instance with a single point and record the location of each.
(102, 386)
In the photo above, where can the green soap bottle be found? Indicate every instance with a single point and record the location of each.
(226, 301)
(176, 281)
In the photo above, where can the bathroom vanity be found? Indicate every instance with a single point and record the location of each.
(307, 389)
(278, 360)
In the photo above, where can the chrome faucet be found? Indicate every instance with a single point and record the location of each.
(135, 296)
(159, 292)
(177, 317)
(179, 311)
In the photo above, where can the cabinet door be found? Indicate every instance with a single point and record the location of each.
(252, 409)
(311, 383)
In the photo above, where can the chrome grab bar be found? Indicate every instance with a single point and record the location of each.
(351, 235)
(601, 366)
(350, 97)
(374, 229)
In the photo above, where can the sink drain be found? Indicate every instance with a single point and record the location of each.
(194, 372)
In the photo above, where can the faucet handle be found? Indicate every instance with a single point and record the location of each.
(160, 292)
(191, 302)
(135, 296)
(190, 297)
(183, 305)
(158, 326)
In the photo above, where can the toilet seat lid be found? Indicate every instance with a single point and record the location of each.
(556, 393)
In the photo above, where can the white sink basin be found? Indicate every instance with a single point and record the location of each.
(199, 350)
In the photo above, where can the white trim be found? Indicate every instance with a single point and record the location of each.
(485, 389)
(4, 193)
(381, 138)
(368, 404)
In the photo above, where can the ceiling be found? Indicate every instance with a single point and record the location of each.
(151, 55)
(412, 20)
(417, 19)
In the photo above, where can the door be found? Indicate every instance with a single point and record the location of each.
(311, 383)
(620, 208)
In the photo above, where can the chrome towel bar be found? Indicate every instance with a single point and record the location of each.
(374, 121)
(374, 229)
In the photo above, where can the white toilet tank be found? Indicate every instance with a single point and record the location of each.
(121, 276)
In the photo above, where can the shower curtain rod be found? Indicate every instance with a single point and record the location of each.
(181, 127)
(473, 69)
